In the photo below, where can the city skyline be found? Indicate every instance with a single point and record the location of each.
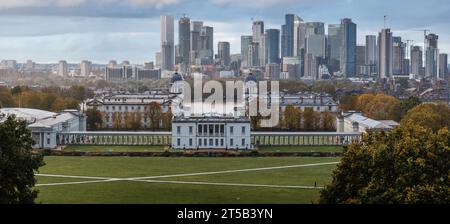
(133, 33)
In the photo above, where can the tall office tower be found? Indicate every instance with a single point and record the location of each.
(416, 61)
(371, 56)
(361, 60)
(184, 40)
(112, 64)
(443, 66)
(273, 71)
(431, 56)
(287, 36)
(385, 54)
(299, 37)
(272, 47)
(258, 37)
(398, 56)
(348, 47)
(85, 68)
(196, 28)
(245, 45)
(334, 47)
(314, 28)
(223, 52)
(63, 69)
(167, 43)
(316, 45)
(293, 66)
(206, 45)
(252, 55)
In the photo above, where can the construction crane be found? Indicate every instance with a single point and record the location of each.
(425, 31)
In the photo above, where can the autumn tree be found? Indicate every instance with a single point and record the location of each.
(292, 118)
(154, 114)
(408, 165)
(310, 119)
(349, 102)
(167, 120)
(133, 121)
(406, 105)
(433, 116)
(117, 120)
(328, 121)
(18, 163)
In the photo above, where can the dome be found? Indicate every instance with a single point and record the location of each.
(251, 77)
(176, 78)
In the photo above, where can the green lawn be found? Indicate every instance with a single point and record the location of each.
(125, 191)
(300, 149)
(100, 148)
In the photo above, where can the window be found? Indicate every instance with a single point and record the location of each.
(211, 129)
(205, 141)
(231, 130)
(217, 142)
(231, 142)
(216, 128)
(191, 129)
(221, 142)
(243, 130)
(211, 142)
(190, 142)
(48, 141)
(200, 129)
(222, 129)
(178, 130)
(199, 142)
(178, 142)
(243, 142)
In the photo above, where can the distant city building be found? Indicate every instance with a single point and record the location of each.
(206, 53)
(299, 39)
(85, 68)
(246, 41)
(223, 52)
(259, 37)
(416, 61)
(292, 65)
(158, 60)
(348, 47)
(443, 66)
(112, 64)
(287, 36)
(167, 43)
(184, 39)
(272, 48)
(63, 69)
(273, 71)
(385, 54)
(361, 60)
(8, 64)
(252, 55)
(196, 28)
(431, 56)
(371, 57)
(398, 56)
(118, 74)
(334, 46)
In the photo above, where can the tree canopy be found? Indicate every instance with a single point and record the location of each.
(433, 116)
(406, 166)
(17, 163)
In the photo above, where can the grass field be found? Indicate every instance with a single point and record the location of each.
(126, 180)
(300, 149)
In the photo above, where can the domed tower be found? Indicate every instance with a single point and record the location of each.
(176, 84)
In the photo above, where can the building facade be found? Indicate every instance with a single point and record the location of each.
(211, 132)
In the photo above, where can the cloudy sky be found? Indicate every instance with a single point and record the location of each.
(101, 30)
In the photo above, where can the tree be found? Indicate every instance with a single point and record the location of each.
(328, 121)
(408, 165)
(292, 118)
(117, 120)
(94, 119)
(167, 120)
(349, 102)
(407, 105)
(433, 116)
(154, 113)
(310, 119)
(17, 163)
(378, 107)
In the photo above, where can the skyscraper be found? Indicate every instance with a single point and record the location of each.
(206, 45)
(398, 56)
(416, 61)
(223, 52)
(361, 60)
(245, 45)
(272, 47)
(63, 69)
(334, 46)
(316, 45)
(371, 54)
(287, 36)
(252, 55)
(167, 43)
(312, 28)
(259, 37)
(431, 56)
(85, 68)
(385, 54)
(443, 66)
(196, 28)
(299, 40)
(184, 39)
(348, 47)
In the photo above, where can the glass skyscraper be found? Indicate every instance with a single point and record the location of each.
(273, 45)
(348, 48)
(287, 36)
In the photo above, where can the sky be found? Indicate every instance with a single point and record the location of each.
(47, 31)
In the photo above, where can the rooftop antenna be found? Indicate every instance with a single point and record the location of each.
(385, 21)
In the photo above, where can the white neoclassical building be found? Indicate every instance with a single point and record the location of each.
(211, 132)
